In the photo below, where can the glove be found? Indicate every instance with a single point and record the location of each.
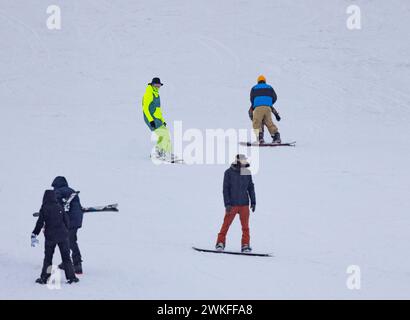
(34, 240)
(152, 124)
(165, 124)
(277, 116)
(228, 208)
(253, 206)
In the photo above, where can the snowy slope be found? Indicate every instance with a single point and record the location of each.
(70, 105)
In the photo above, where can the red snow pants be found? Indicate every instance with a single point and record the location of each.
(228, 219)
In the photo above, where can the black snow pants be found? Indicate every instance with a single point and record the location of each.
(65, 256)
(76, 254)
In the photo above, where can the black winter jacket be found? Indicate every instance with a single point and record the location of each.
(53, 218)
(237, 187)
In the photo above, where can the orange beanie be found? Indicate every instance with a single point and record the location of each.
(261, 78)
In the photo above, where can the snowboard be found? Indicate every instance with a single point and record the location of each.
(173, 160)
(257, 144)
(234, 252)
(110, 207)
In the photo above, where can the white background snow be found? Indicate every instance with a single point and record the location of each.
(70, 105)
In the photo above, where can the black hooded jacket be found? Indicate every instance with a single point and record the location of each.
(63, 191)
(52, 218)
(238, 186)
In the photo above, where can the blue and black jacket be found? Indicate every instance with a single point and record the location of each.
(263, 95)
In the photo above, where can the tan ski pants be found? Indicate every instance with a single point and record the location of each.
(263, 114)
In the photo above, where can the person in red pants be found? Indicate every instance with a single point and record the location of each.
(238, 189)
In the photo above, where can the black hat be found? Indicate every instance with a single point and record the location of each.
(156, 81)
(242, 160)
(241, 157)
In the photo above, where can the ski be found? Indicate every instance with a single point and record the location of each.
(257, 144)
(67, 202)
(110, 207)
(234, 252)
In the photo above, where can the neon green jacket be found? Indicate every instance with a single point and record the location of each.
(151, 107)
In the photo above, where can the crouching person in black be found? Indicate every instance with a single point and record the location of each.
(56, 224)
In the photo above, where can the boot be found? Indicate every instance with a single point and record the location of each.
(276, 138)
(220, 246)
(41, 280)
(261, 140)
(169, 157)
(159, 154)
(246, 248)
(73, 280)
(78, 268)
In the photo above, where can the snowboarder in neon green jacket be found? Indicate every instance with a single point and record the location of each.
(151, 107)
